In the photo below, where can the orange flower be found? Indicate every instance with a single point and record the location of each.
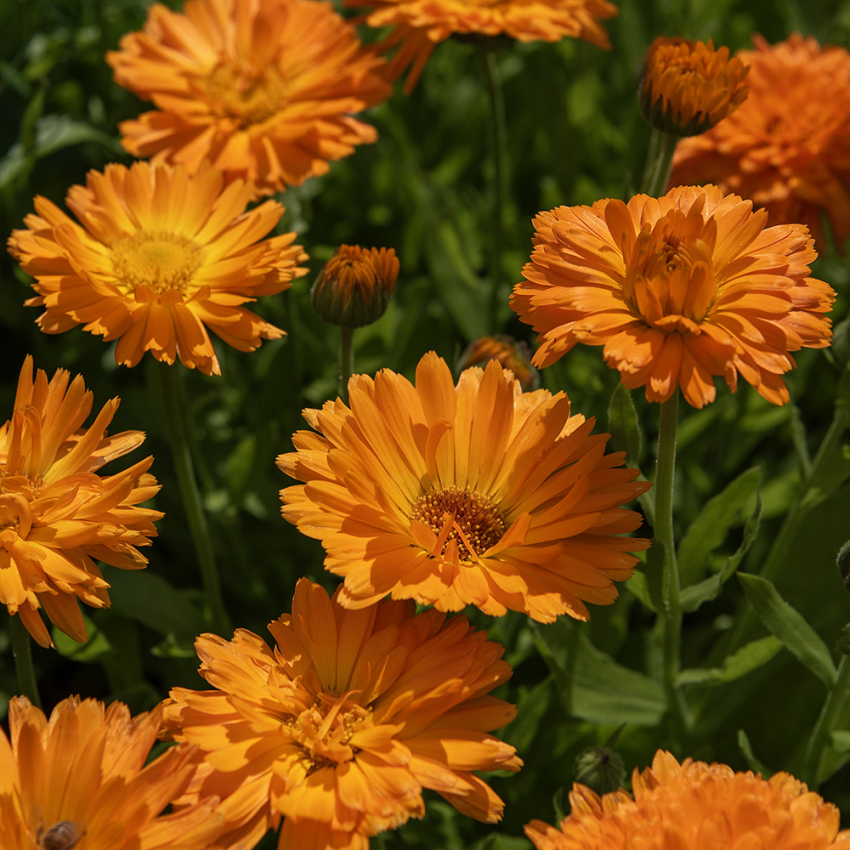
(56, 513)
(677, 289)
(354, 287)
(475, 494)
(265, 90)
(508, 352)
(80, 781)
(341, 726)
(788, 147)
(161, 256)
(419, 25)
(695, 805)
(688, 86)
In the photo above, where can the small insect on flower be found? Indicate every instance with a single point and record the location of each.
(61, 836)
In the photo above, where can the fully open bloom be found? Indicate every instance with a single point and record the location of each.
(695, 805)
(419, 25)
(341, 726)
(678, 289)
(788, 147)
(475, 494)
(265, 89)
(160, 257)
(56, 513)
(80, 781)
(688, 86)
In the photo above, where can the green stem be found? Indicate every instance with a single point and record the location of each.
(22, 650)
(659, 160)
(346, 360)
(832, 709)
(178, 433)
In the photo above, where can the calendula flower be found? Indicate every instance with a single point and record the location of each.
(506, 350)
(788, 147)
(355, 286)
(695, 805)
(159, 257)
(678, 289)
(80, 781)
(688, 86)
(56, 513)
(475, 494)
(340, 727)
(419, 25)
(266, 90)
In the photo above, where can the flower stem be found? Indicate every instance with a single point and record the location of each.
(22, 650)
(829, 715)
(178, 433)
(346, 360)
(662, 146)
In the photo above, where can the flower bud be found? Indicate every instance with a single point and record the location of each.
(601, 769)
(355, 286)
(506, 350)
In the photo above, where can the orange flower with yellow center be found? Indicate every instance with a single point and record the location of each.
(678, 289)
(265, 90)
(695, 805)
(788, 147)
(341, 726)
(161, 256)
(419, 25)
(56, 513)
(475, 494)
(80, 781)
(688, 86)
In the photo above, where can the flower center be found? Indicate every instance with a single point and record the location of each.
(468, 517)
(245, 93)
(160, 260)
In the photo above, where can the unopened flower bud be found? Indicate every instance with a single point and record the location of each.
(506, 350)
(601, 769)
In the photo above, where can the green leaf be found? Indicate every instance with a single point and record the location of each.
(623, 425)
(498, 841)
(710, 528)
(747, 752)
(639, 586)
(841, 741)
(745, 660)
(789, 626)
(531, 706)
(96, 645)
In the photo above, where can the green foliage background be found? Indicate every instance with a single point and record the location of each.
(575, 135)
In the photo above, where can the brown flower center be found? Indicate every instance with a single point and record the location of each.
(468, 517)
(158, 259)
(247, 94)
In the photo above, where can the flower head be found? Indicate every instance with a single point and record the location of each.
(355, 286)
(678, 289)
(80, 781)
(56, 513)
(688, 86)
(788, 147)
(419, 25)
(695, 805)
(506, 350)
(475, 494)
(341, 726)
(265, 90)
(159, 256)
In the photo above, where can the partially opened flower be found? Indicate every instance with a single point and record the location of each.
(688, 86)
(677, 289)
(475, 494)
(695, 805)
(788, 146)
(159, 257)
(79, 780)
(265, 90)
(340, 727)
(419, 25)
(57, 515)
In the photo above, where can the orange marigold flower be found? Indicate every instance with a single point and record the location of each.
(80, 781)
(419, 25)
(678, 289)
(56, 513)
(355, 286)
(475, 494)
(788, 147)
(160, 257)
(341, 726)
(508, 352)
(688, 86)
(265, 90)
(695, 805)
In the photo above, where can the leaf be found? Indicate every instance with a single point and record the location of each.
(531, 706)
(623, 425)
(789, 626)
(498, 841)
(96, 645)
(747, 752)
(841, 741)
(639, 586)
(710, 528)
(745, 660)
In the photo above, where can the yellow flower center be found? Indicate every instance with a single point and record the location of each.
(160, 260)
(468, 517)
(245, 93)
